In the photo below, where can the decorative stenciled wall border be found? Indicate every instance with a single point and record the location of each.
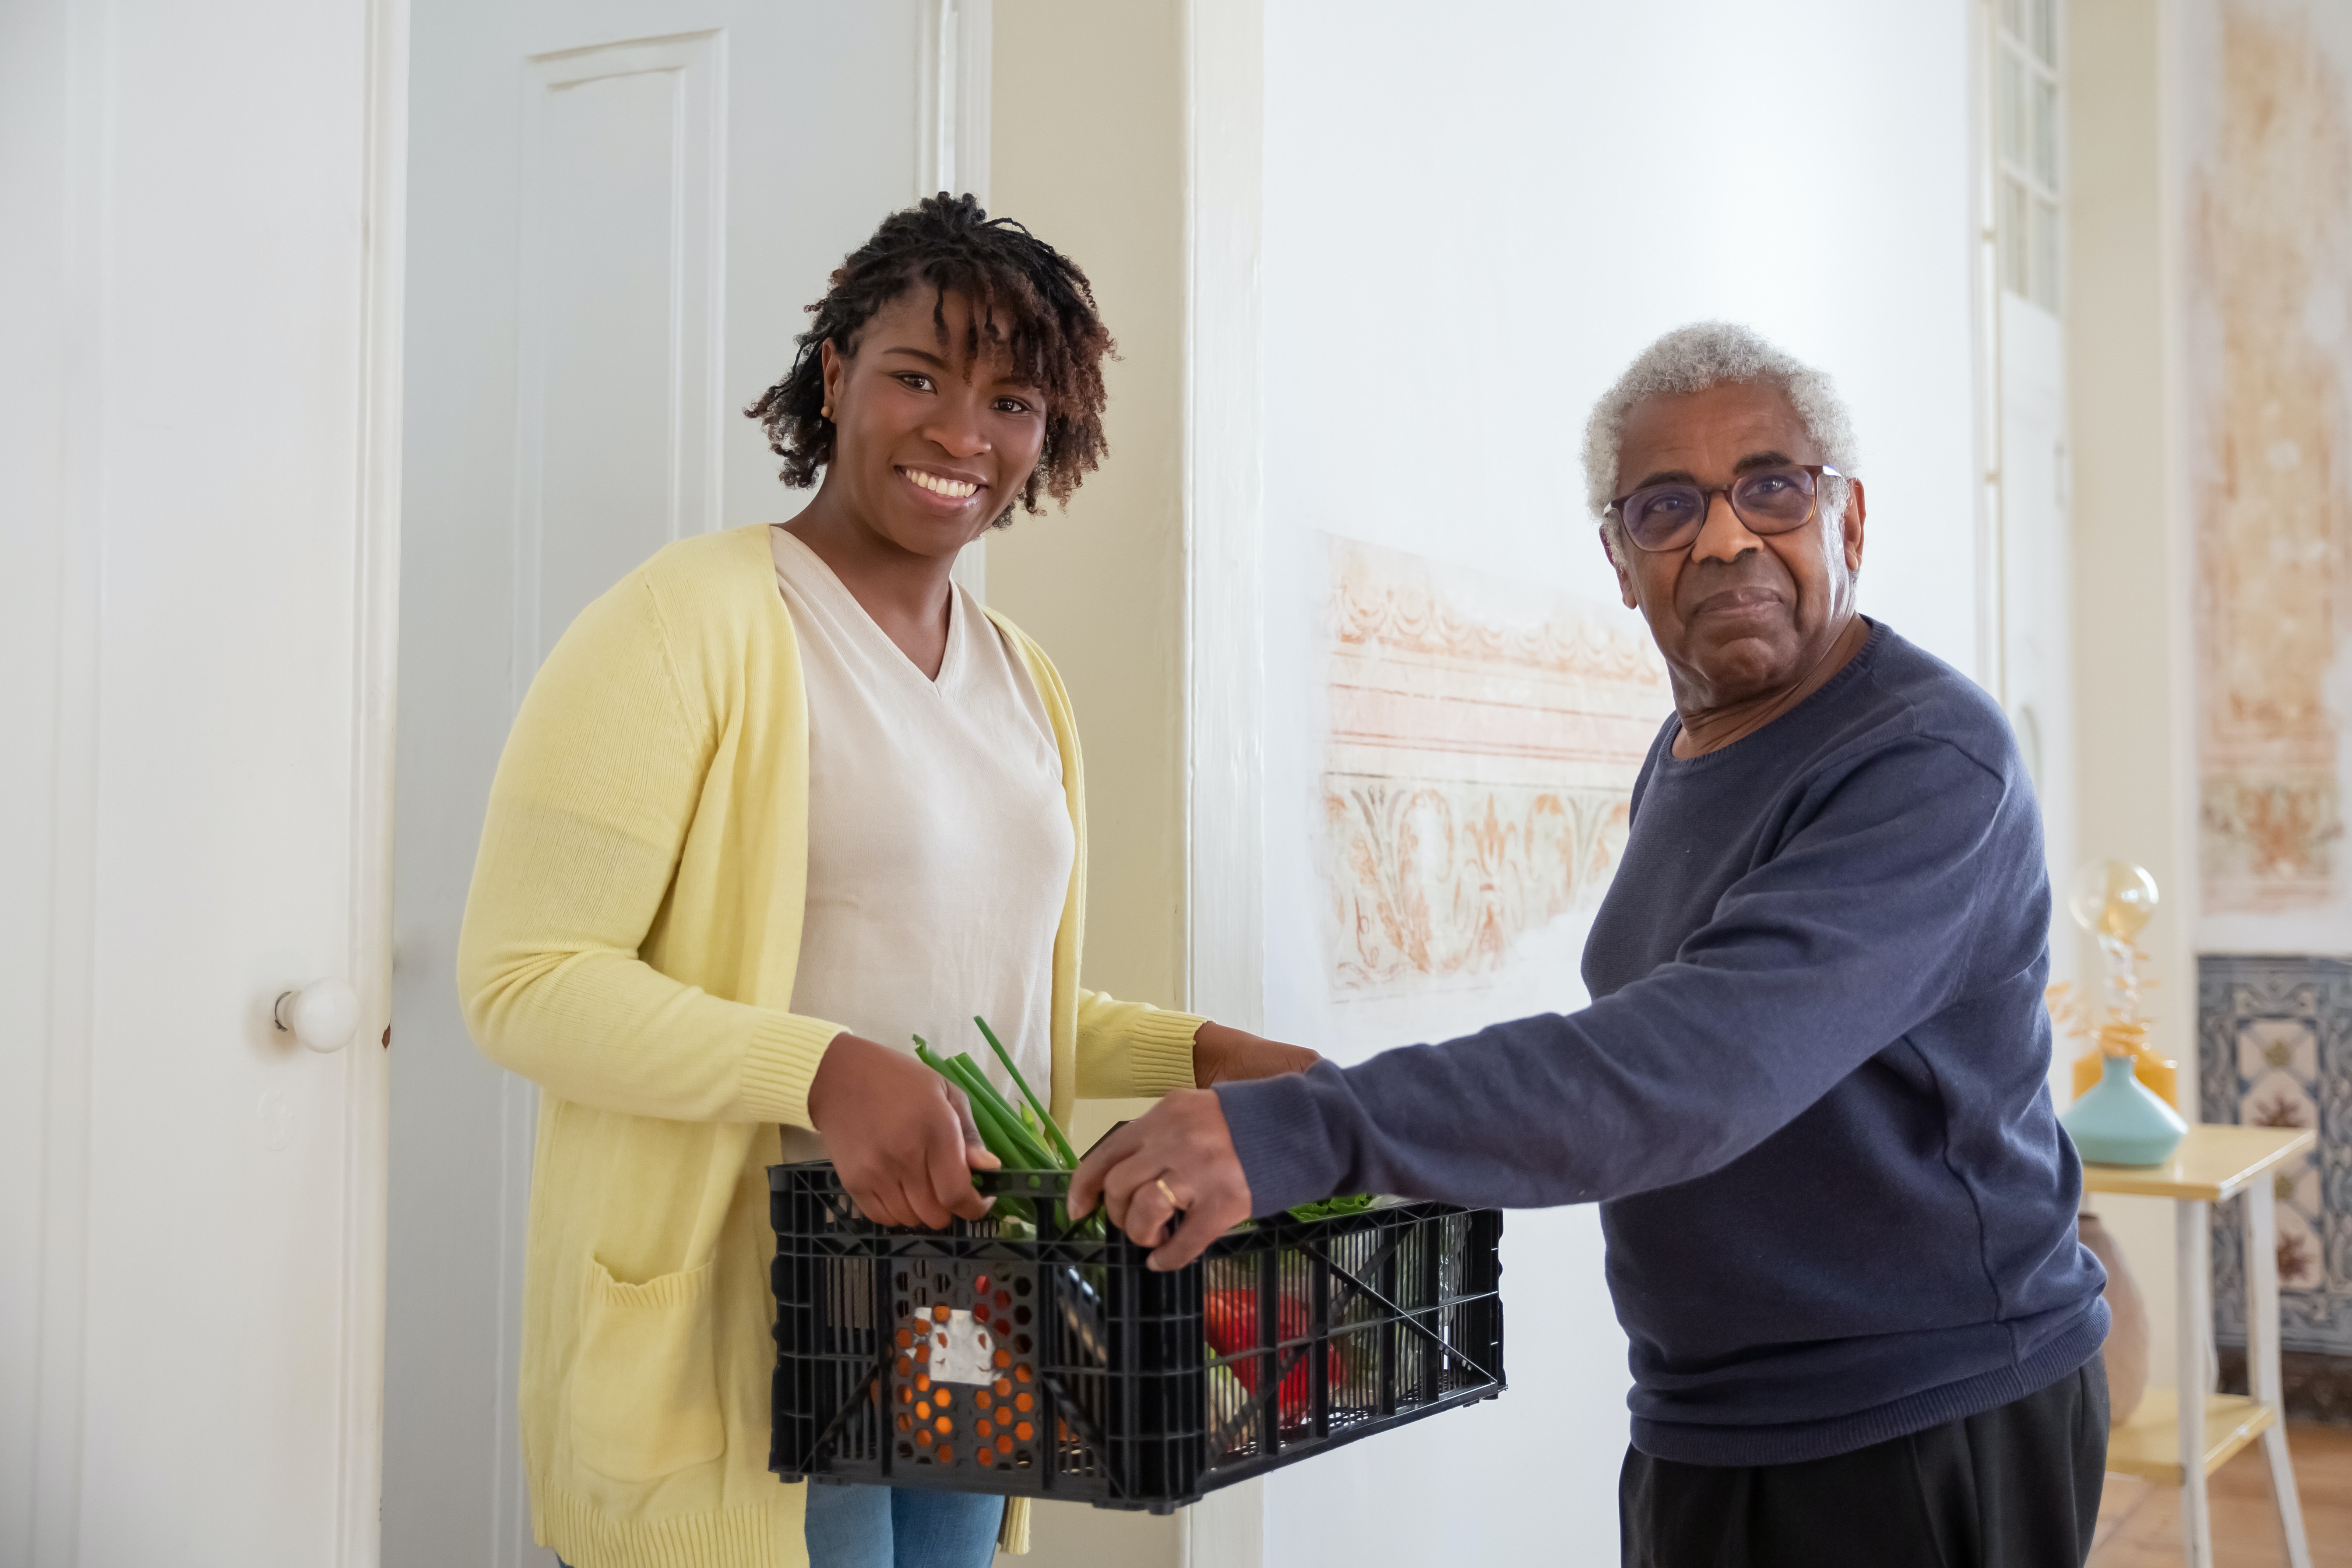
(2266, 108)
(2274, 1038)
(2269, 236)
(1484, 739)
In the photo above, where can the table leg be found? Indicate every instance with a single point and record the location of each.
(2194, 1288)
(2262, 1379)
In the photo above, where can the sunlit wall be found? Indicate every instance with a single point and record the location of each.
(1468, 232)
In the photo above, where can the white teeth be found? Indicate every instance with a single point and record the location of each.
(956, 490)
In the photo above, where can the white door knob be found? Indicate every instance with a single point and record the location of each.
(323, 1014)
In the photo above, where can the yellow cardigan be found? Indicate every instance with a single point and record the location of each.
(629, 944)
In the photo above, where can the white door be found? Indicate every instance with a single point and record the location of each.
(617, 212)
(199, 213)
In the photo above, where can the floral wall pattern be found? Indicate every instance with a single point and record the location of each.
(2270, 257)
(1483, 742)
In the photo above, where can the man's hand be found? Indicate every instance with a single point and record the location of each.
(1177, 1155)
(901, 1137)
(1223, 1054)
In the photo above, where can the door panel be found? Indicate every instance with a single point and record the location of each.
(617, 212)
(620, 291)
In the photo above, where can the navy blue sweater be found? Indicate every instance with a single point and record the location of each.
(1809, 1094)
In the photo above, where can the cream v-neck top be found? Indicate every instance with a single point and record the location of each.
(939, 843)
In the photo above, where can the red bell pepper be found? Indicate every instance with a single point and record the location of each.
(1233, 1330)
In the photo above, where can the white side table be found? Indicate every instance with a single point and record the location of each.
(2175, 1437)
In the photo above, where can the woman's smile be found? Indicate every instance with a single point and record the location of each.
(952, 491)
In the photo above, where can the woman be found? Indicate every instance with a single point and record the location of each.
(780, 800)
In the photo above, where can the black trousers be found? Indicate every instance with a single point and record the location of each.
(2013, 1488)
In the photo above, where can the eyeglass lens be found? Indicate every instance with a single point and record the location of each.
(1768, 500)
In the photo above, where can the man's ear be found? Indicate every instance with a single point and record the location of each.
(1854, 509)
(1624, 578)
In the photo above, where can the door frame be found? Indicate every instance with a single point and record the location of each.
(375, 670)
(1225, 633)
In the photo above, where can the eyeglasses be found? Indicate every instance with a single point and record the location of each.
(1768, 500)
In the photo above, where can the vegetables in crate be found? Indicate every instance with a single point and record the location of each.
(1232, 1322)
(1024, 1139)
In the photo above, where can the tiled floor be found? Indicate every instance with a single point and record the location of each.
(2139, 1523)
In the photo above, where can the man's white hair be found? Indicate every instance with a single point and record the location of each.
(1694, 358)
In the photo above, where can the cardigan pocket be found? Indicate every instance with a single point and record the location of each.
(644, 1386)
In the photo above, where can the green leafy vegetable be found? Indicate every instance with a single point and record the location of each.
(1332, 1209)
(1061, 1144)
(1023, 1138)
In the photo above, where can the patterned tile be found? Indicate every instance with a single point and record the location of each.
(2275, 1049)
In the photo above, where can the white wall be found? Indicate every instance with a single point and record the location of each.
(1473, 217)
(2132, 592)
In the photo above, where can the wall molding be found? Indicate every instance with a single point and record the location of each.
(1984, 289)
(1224, 664)
(89, 121)
(1224, 508)
(954, 98)
(953, 101)
(375, 664)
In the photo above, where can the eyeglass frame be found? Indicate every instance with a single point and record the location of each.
(1706, 494)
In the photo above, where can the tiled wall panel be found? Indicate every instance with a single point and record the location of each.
(2275, 1039)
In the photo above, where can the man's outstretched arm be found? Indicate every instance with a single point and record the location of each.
(1857, 930)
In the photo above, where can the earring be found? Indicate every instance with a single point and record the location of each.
(825, 413)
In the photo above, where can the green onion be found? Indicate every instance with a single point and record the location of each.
(985, 1107)
(996, 1101)
(999, 1128)
(1035, 1154)
(1019, 1137)
(1069, 1155)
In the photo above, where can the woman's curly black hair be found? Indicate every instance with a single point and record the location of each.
(1027, 299)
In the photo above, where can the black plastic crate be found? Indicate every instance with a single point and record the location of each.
(1066, 1369)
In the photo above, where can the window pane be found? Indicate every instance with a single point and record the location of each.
(2045, 31)
(2008, 227)
(2012, 16)
(2045, 255)
(2009, 107)
(2045, 133)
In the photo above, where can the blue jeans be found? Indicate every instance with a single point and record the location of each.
(888, 1527)
(884, 1527)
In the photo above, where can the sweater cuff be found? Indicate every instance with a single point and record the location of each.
(1159, 1052)
(781, 1063)
(1279, 1133)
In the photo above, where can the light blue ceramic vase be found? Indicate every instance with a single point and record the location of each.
(2120, 1123)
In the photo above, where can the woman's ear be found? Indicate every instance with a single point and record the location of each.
(836, 369)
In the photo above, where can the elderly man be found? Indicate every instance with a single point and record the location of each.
(1809, 1092)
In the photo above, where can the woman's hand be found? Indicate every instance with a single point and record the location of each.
(1176, 1156)
(901, 1137)
(1221, 1055)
